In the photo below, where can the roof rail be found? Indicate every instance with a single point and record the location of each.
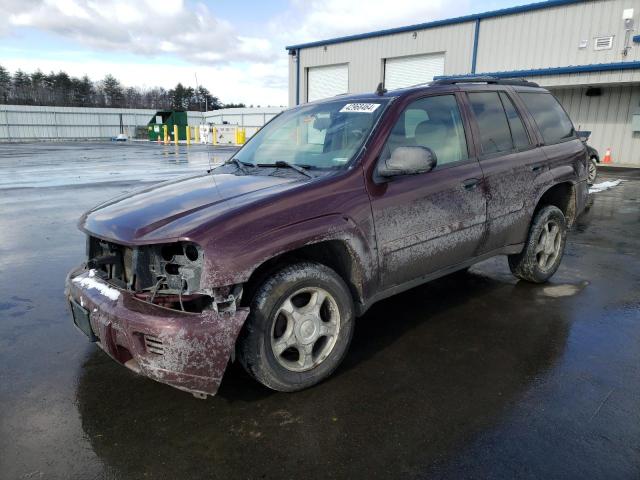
(479, 79)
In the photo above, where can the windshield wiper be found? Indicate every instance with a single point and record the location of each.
(283, 163)
(240, 165)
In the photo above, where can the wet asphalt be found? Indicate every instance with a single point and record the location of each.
(474, 375)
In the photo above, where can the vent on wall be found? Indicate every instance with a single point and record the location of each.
(603, 43)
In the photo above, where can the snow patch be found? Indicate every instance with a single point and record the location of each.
(92, 283)
(602, 186)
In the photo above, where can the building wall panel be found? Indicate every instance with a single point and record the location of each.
(292, 80)
(537, 39)
(550, 37)
(608, 117)
(365, 57)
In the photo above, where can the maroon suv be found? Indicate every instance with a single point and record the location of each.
(332, 206)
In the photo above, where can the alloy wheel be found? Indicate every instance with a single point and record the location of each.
(305, 329)
(548, 246)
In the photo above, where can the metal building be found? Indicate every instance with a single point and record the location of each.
(585, 51)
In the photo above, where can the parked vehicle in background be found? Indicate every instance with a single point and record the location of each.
(594, 157)
(329, 208)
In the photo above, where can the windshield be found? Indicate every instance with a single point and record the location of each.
(325, 135)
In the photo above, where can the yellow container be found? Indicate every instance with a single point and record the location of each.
(241, 136)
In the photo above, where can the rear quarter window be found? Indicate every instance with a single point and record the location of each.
(551, 119)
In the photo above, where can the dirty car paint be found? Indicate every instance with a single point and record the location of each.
(396, 233)
(195, 347)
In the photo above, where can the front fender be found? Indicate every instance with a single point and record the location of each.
(235, 263)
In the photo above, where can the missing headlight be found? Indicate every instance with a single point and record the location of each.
(167, 275)
(178, 267)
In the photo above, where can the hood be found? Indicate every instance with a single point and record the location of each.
(163, 212)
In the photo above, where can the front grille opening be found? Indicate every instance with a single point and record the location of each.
(153, 344)
(195, 303)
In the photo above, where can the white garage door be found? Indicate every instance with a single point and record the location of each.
(328, 81)
(407, 71)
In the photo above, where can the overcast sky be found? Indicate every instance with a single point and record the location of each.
(236, 47)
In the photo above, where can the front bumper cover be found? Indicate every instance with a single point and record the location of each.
(194, 347)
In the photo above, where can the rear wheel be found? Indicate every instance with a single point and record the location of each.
(299, 328)
(543, 251)
(592, 172)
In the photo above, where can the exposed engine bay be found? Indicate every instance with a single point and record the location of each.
(168, 275)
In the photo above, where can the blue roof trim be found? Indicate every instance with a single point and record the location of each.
(597, 67)
(440, 23)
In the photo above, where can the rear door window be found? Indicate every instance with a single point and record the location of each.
(495, 135)
(518, 132)
(551, 119)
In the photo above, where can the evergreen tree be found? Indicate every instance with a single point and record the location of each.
(112, 91)
(60, 89)
(5, 84)
(85, 92)
(180, 97)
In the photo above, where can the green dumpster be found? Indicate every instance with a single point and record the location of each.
(168, 118)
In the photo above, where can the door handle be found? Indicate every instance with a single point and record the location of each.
(470, 183)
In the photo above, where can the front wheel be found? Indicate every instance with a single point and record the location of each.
(544, 248)
(592, 173)
(299, 327)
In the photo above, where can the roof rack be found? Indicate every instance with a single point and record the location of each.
(492, 80)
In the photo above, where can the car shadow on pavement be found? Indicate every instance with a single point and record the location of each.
(426, 371)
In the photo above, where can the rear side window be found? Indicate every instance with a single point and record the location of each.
(518, 132)
(495, 135)
(551, 119)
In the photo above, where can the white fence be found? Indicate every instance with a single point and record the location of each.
(249, 118)
(20, 123)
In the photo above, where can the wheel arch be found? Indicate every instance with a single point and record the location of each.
(563, 196)
(336, 254)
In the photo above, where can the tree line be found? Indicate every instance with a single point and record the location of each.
(63, 90)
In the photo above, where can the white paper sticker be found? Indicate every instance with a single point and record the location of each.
(360, 107)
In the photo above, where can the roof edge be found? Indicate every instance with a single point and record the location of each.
(539, 72)
(440, 23)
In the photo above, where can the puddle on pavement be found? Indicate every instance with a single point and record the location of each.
(564, 290)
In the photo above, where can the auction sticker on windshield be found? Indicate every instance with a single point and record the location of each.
(360, 107)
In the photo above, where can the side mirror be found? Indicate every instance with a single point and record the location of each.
(408, 161)
(583, 135)
(321, 123)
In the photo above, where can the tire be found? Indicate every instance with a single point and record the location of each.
(292, 339)
(592, 172)
(542, 254)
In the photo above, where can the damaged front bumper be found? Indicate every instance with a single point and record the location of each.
(189, 351)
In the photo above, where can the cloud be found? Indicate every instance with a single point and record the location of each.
(189, 31)
(247, 66)
(321, 19)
